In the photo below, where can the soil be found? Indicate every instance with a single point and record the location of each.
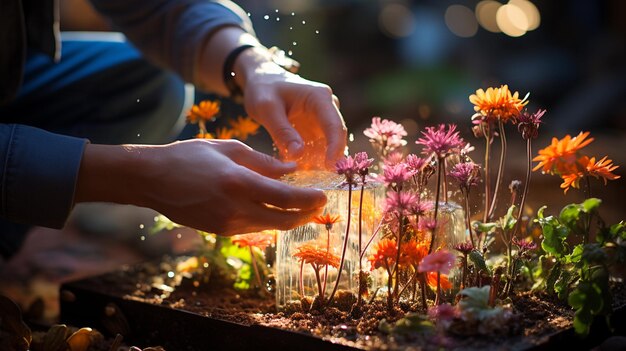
(535, 316)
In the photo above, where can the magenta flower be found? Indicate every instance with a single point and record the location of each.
(466, 173)
(400, 202)
(362, 163)
(386, 134)
(427, 224)
(440, 261)
(348, 168)
(464, 248)
(441, 140)
(420, 208)
(396, 174)
(443, 313)
(393, 158)
(528, 124)
(524, 245)
(415, 163)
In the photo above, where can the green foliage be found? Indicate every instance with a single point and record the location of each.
(580, 273)
(508, 221)
(412, 323)
(479, 261)
(474, 304)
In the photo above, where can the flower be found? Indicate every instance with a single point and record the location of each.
(466, 173)
(528, 124)
(393, 159)
(396, 175)
(589, 167)
(420, 208)
(243, 127)
(524, 245)
(362, 163)
(497, 104)
(386, 134)
(384, 254)
(308, 253)
(427, 224)
(413, 252)
(202, 135)
(347, 167)
(260, 240)
(431, 280)
(560, 156)
(205, 111)
(464, 248)
(441, 141)
(443, 313)
(415, 163)
(328, 220)
(439, 261)
(224, 133)
(400, 202)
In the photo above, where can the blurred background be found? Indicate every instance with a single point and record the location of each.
(415, 62)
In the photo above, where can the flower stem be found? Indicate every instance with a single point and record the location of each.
(438, 298)
(302, 278)
(445, 181)
(487, 134)
(369, 242)
(464, 276)
(500, 169)
(422, 281)
(327, 252)
(397, 267)
(345, 245)
(529, 161)
(468, 219)
(389, 282)
(359, 297)
(320, 292)
(437, 193)
(256, 269)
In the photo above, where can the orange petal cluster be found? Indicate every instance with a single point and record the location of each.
(384, 254)
(413, 252)
(204, 111)
(243, 127)
(602, 169)
(560, 156)
(431, 280)
(327, 220)
(497, 103)
(308, 253)
(224, 133)
(260, 240)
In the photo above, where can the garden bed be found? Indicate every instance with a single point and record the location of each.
(145, 304)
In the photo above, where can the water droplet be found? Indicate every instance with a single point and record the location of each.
(138, 100)
(156, 218)
(294, 43)
(266, 17)
(293, 13)
(303, 22)
(277, 19)
(276, 10)
(141, 226)
(248, 14)
(138, 135)
(317, 31)
(143, 238)
(351, 138)
(179, 235)
(170, 274)
(232, 74)
(205, 265)
(290, 28)
(290, 53)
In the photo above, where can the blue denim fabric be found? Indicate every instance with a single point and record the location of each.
(101, 90)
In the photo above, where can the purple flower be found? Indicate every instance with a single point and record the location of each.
(441, 140)
(524, 245)
(347, 167)
(396, 174)
(400, 202)
(420, 208)
(415, 163)
(427, 224)
(362, 163)
(385, 133)
(443, 313)
(464, 248)
(466, 173)
(528, 124)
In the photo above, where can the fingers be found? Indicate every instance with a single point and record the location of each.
(332, 125)
(270, 218)
(282, 132)
(264, 190)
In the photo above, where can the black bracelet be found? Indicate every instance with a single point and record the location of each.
(229, 76)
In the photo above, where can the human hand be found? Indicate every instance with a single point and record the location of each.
(302, 116)
(219, 186)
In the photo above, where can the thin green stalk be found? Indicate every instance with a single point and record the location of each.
(500, 168)
(487, 135)
(345, 245)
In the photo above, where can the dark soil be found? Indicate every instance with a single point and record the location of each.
(535, 316)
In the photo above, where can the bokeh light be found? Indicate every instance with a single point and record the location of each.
(461, 21)
(512, 21)
(486, 14)
(396, 20)
(531, 12)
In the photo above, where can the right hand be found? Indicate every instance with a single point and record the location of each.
(218, 186)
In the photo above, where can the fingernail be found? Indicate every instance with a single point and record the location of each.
(294, 148)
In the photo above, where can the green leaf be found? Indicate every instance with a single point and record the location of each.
(244, 278)
(479, 261)
(474, 298)
(554, 235)
(508, 221)
(554, 274)
(483, 227)
(412, 323)
(594, 254)
(576, 255)
(540, 212)
(588, 302)
(570, 214)
(562, 284)
(591, 205)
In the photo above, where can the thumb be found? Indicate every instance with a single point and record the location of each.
(264, 164)
(285, 136)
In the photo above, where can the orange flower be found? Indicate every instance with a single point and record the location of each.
(413, 252)
(224, 133)
(560, 156)
(205, 111)
(202, 135)
(602, 169)
(328, 220)
(431, 280)
(497, 103)
(385, 252)
(260, 240)
(308, 253)
(244, 127)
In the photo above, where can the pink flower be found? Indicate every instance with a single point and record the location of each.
(385, 133)
(400, 202)
(443, 313)
(466, 173)
(347, 167)
(440, 261)
(427, 224)
(393, 159)
(396, 174)
(415, 163)
(528, 124)
(464, 248)
(362, 163)
(524, 245)
(441, 141)
(420, 208)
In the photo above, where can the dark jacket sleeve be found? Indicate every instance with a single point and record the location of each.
(172, 32)
(38, 173)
